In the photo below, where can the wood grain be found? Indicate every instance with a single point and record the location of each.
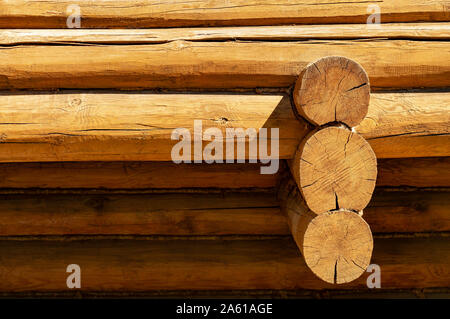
(134, 127)
(218, 65)
(96, 126)
(133, 175)
(146, 14)
(418, 31)
(399, 123)
(410, 212)
(417, 172)
(332, 89)
(336, 245)
(194, 213)
(142, 265)
(334, 168)
(224, 213)
(433, 172)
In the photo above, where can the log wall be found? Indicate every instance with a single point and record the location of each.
(86, 117)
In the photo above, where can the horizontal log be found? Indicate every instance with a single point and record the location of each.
(336, 245)
(218, 65)
(98, 126)
(198, 214)
(145, 175)
(410, 212)
(136, 127)
(146, 14)
(416, 172)
(397, 124)
(430, 293)
(133, 175)
(226, 213)
(142, 265)
(418, 31)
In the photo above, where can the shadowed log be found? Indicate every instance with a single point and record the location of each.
(336, 245)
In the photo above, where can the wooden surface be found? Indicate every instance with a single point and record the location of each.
(148, 265)
(332, 89)
(419, 31)
(154, 228)
(132, 126)
(432, 172)
(145, 14)
(218, 65)
(334, 168)
(133, 175)
(401, 124)
(191, 213)
(128, 126)
(418, 172)
(336, 245)
(197, 213)
(410, 212)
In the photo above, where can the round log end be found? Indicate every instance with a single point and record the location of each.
(333, 89)
(335, 168)
(337, 246)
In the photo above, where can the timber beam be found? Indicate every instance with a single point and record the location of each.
(334, 170)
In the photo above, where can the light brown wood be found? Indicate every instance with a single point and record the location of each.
(337, 246)
(196, 212)
(164, 265)
(408, 146)
(145, 14)
(74, 126)
(422, 31)
(404, 124)
(218, 65)
(335, 168)
(332, 89)
(135, 126)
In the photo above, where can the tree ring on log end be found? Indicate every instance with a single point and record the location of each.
(337, 246)
(333, 89)
(335, 168)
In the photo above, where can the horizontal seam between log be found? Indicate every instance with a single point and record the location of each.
(231, 39)
(93, 238)
(136, 191)
(193, 190)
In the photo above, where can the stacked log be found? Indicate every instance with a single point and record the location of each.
(86, 177)
(335, 171)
